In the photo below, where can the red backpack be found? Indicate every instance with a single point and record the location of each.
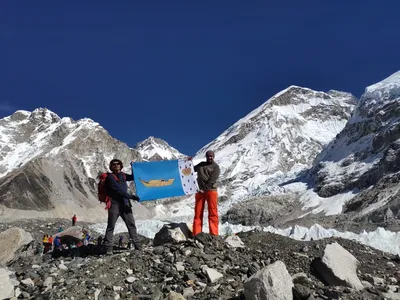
(102, 191)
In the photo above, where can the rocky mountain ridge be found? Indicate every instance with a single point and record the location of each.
(357, 173)
(265, 154)
(278, 139)
(49, 165)
(365, 158)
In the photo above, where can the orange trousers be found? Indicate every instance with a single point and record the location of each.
(212, 202)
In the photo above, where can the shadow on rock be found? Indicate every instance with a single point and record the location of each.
(82, 251)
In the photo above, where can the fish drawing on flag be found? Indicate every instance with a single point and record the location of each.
(157, 182)
(164, 179)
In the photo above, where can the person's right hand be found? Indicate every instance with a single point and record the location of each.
(135, 198)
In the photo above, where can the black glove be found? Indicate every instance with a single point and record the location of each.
(134, 197)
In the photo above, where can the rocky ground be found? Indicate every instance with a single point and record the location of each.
(201, 268)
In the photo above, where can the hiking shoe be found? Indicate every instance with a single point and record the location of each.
(134, 246)
(109, 251)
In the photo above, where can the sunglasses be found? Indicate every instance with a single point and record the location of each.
(116, 163)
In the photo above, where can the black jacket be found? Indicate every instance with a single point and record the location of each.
(117, 190)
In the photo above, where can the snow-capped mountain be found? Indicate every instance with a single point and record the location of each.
(49, 165)
(277, 140)
(157, 149)
(362, 165)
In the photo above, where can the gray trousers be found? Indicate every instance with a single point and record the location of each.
(125, 212)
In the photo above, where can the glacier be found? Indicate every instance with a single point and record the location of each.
(380, 239)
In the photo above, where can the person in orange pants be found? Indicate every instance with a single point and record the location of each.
(207, 176)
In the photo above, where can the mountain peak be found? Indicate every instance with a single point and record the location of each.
(280, 137)
(44, 114)
(386, 84)
(154, 148)
(295, 95)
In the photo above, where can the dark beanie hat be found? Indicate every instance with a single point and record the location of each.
(210, 152)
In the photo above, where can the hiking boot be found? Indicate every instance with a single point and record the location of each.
(109, 251)
(134, 246)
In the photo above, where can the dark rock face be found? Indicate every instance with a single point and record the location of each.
(365, 156)
(30, 186)
(385, 194)
(267, 210)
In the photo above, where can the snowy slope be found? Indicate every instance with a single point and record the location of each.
(49, 165)
(27, 135)
(278, 139)
(361, 166)
(156, 149)
(270, 146)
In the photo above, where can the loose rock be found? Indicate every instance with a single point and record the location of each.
(272, 283)
(338, 267)
(6, 286)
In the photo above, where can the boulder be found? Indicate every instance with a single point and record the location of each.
(397, 276)
(6, 286)
(234, 241)
(48, 283)
(28, 282)
(270, 283)
(374, 280)
(70, 234)
(213, 275)
(172, 233)
(11, 240)
(203, 238)
(301, 292)
(337, 267)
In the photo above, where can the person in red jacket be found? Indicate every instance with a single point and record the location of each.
(74, 219)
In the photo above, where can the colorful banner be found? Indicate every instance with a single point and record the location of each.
(164, 179)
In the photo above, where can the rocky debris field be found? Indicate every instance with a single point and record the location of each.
(250, 265)
(38, 227)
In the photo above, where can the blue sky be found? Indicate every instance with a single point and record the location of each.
(185, 71)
